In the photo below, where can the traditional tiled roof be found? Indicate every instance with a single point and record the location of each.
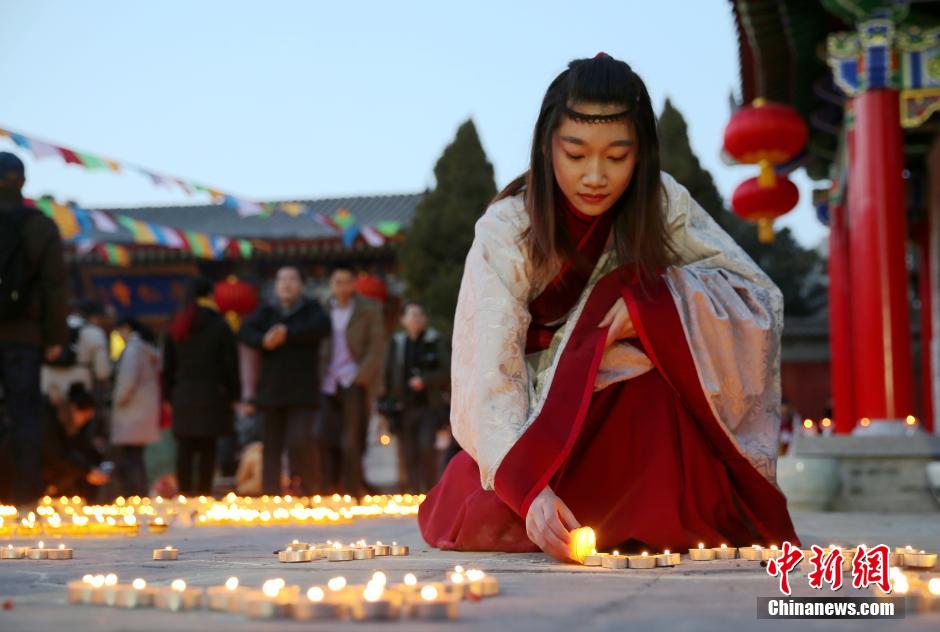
(222, 221)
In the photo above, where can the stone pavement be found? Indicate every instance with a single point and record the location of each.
(538, 593)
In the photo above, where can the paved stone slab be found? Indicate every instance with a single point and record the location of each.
(538, 594)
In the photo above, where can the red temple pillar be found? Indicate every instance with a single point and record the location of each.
(921, 232)
(840, 322)
(882, 375)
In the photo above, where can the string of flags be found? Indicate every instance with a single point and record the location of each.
(244, 207)
(76, 225)
(74, 221)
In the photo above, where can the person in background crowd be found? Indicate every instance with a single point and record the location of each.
(85, 359)
(32, 320)
(200, 378)
(135, 416)
(287, 332)
(71, 465)
(417, 373)
(351, 363)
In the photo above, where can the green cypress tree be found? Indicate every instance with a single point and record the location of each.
(797, 271)
(436, 244)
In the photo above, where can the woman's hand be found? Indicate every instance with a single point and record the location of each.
(621, 325)
(549, 523)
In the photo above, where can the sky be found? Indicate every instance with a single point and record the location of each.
(283, 100)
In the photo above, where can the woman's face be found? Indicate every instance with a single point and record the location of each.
(594, 162)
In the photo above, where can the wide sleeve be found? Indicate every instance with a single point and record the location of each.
(489, 383)
(732, 317)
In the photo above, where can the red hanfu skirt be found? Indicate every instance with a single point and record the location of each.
(644, 462)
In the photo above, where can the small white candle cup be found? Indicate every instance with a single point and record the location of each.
(315, 606)
(340, 553)
(482, 585)
(60, 552)
(11, 552)
(725, 552)
(667, 558)
(751, 553)
(432, 606)
(397, 550)
(381, 550)
(79, 592)
(615, 561)
(773, 552)
(375, 605)
(594, 559)
(178, 597)
(40, 552)
(229, 597)
(166, 554)
(364, 553)
(291, 556)
(643, 561)
(920, 559)
(133, 595)
(701, 554)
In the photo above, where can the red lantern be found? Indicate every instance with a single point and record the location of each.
(763, 204)
(765, 134)
(232, 295)
(372, 287)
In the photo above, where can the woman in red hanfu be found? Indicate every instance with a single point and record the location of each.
(616, 354)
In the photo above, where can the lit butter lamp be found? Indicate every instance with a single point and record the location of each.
(615, 561)
(10, 552)
(433, 606)
(166, 554)
(919, 596)
(375, 604)
(157, 526)
(133, 595)
(178, 597)
(725, 552)
(40, 552)
(273, 602)
(583, 543)
(61, 552)
(340, 553)
(480, 584)
(668, 558)
(381, 550)
(79, 592)
(753, 553)
(642, 561)
(230, 597)
(919, 559)
(398, 550)
(317, 606)
(291, 555)
(701, 554)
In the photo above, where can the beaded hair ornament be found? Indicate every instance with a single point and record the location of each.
(582, 117)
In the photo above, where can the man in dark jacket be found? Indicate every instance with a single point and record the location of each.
(32, 319)
(417, 376)
(288, 332)
(200, 377)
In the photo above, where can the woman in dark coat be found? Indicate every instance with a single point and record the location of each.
(201, 381)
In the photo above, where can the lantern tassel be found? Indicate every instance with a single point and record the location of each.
(767, 177)
(765, 230)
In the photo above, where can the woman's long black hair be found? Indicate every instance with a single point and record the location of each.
(640, 232)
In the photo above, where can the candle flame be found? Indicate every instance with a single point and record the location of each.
(456, 578)
(459, 569)
(666, 552)
(271, 588)
(411, 580)
(901, 585)
(110, 579)
(933, 586)
(139, 584)
(41, 545)
(97, 581)
(231, 583)
(87, 579)
(379, 578)
(724, 546)
(61, 547)
(178, 585)
(373, 592)
(168, 548)
(336, 584)
(315, 594)
(429, 593)
(475, 575)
